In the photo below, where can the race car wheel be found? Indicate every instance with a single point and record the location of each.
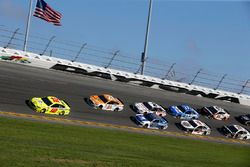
(145, 126)
(62, 113)
(245, 138)
(116, 109)
(43, 110)
(100, 106)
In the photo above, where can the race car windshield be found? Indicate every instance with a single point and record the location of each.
(147, 105)
(150, 117)
(103, 98)
(181, 108)
(212, 110)
(192, 123)
(232, 129)
(46, 101)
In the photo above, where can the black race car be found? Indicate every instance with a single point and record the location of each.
(245, 119)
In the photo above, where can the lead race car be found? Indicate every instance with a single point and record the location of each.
(49, 105)
(236, 132)
(152, 121)
(215, 112)
(106, 102)
(146, 107)
(195, 127)
(183, 112)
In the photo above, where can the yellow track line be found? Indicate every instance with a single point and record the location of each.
(119, 127)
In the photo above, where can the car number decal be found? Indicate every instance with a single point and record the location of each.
(53, 110)
(56, 100)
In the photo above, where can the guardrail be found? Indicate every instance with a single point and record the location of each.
(48, 62)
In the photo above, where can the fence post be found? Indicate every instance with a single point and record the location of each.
(115, 54)
(50, 53)
(243, 87)
(13, 36)
(220, 81)
(79, 52)
(170, 69)
(53, 37)
(195, 76)
(138, 69)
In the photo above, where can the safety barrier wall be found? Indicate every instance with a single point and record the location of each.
(47, 62)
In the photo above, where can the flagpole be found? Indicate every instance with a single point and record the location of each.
(27, 27)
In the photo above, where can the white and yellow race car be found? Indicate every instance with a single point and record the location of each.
(106, 102)
(49, 105)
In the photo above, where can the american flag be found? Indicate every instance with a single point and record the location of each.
(45, 12)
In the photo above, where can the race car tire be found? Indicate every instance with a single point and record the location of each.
(145, 126)
(116, 109)
(100, 106)
(245, 138)
(43, 110)
(205, 133)
(62, 113)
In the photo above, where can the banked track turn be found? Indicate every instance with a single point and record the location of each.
(19, 83)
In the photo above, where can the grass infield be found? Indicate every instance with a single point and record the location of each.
(40, 144)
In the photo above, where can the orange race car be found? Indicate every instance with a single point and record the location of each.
(106, 102)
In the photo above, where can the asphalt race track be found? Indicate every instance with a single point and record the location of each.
(19, 83)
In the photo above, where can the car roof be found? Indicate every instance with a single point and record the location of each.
(153, 104)
(55, 100)
(219, 109)
(153, 116)
(111, 98)
(199, 123)
(239, 128)
(187, 108)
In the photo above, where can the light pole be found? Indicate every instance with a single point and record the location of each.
(144, 53)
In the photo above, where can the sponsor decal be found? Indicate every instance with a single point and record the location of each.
(19, 59)
(176, 89)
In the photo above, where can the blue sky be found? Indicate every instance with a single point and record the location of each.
(198, 34)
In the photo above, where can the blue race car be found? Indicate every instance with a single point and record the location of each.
(183, 112)
(152, 121)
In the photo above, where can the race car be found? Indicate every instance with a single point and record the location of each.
(235, 132)
(106, 102)
(195, 127)
(245, 119)
(183, 112)
(146, 107)
(215, 112)
(49, 105)
(152, 121)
